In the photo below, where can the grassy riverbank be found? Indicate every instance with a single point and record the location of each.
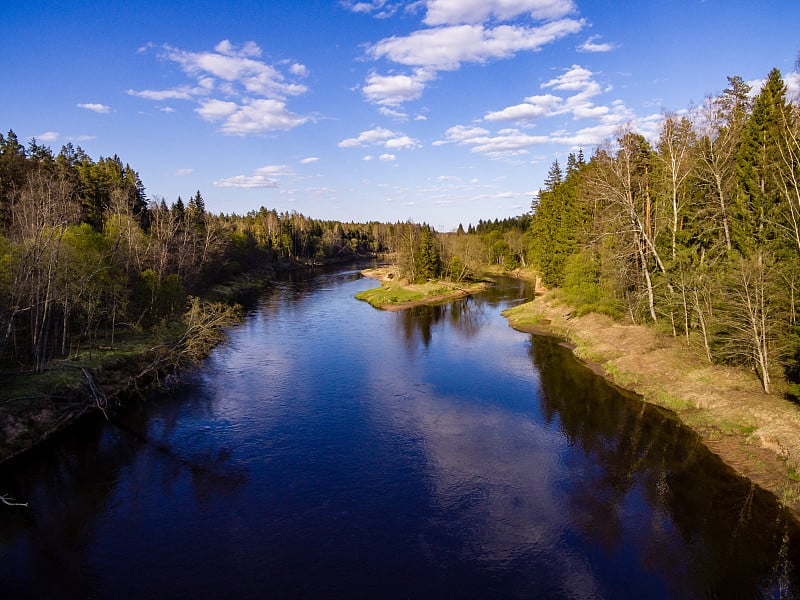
(397, 294)
(33, 405)
(757, 434)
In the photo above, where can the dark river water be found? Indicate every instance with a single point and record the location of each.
(333, 450)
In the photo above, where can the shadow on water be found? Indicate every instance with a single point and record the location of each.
(74, 480)
(735, 540)
(465, 316)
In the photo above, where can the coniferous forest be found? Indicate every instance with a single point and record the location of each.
(697, 232)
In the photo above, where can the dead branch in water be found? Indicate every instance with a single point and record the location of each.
(8, 501)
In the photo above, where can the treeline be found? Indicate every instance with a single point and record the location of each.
(84, 255)
(698, 232)
(422, 254)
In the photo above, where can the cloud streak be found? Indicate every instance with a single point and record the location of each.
(95, 107)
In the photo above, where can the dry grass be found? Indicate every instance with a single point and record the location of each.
(756, 433)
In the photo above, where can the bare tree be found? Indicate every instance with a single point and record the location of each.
(41, 212)
(621, 182)
(676, 146)
(749, 318)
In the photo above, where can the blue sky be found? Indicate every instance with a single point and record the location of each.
(442, 111)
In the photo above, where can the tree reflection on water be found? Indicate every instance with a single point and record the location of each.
(634, 452)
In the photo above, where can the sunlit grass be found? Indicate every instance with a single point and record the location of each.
(382, 296)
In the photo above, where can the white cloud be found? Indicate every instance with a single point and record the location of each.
(462, 133)
(381, 136)
(576, 79)
(401, 143)
(392, 90)
(533, 108)
(237, 67)
(48, 136)
(214, 110)
(247, 182)
(248, 49)
(445, 48)
(309, 160)
(183, 172)
(94, 107)
(234, 88)
(393, 113)
(387, 157)
(167, 109)
(275, 170)
(179, 93)
(457, 37)
(368, 158)
(511, 142)
(380, 9)
(441, 12)
(791, 80)
(253, 117)
(590, 45)
(268, 176)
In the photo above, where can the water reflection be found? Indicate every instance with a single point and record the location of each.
(639, 469)
(464, 317)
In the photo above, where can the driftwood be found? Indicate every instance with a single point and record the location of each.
(100, 399)
(10, 502)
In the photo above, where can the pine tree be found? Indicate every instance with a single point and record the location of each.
(428, 259)
(554, 176)
(758, 157)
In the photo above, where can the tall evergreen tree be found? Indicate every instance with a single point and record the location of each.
(758, 157)
(428, 259)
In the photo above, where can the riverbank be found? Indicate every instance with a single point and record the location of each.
(757, 434)
(396, 293)
(34, 406)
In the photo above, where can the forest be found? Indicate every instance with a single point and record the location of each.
(86, 259)
(696, 232)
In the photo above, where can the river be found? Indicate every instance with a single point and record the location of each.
(329, 449)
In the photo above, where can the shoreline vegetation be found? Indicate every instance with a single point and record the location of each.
(34, 406)
(398, 293)
(756, 434)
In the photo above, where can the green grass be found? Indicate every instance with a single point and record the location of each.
(524, 315)
(383, 296)
(60, 377)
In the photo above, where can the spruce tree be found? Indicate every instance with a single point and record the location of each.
(757, 159)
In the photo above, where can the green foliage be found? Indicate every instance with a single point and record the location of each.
(583, 287)
(700, 235)
(387, 296)
(428, 261)
(558, 220)
(158, 297)
(457, 269)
